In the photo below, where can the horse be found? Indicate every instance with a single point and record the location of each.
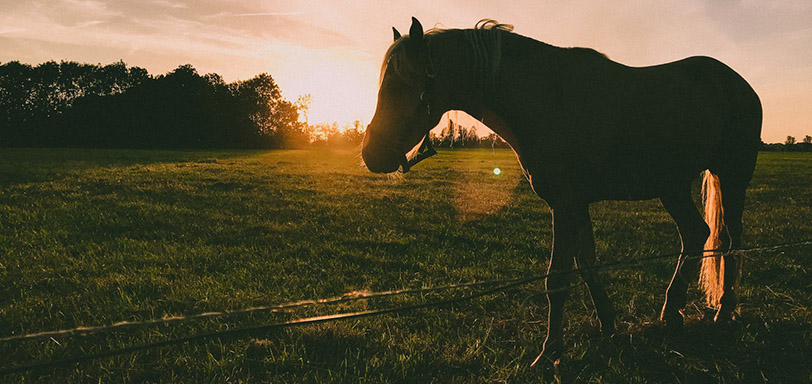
(586, 129)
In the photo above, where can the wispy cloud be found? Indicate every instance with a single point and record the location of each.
(88, 23)
(170, 4)
(253, 14)
(10, 30)
(97, 9)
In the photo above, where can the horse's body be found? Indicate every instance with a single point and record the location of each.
(618, 133)
(587, 129)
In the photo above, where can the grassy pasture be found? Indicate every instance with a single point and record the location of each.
(92, 237)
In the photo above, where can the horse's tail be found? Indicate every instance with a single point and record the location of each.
(711, 277)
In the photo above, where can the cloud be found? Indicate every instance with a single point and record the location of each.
(80, 9)
(229, 14)
(170, 4)
(87, 23)
(10, 30)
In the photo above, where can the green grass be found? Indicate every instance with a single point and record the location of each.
(92, 237)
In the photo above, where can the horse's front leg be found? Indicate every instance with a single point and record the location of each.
(568, 221)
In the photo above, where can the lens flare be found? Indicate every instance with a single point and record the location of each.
(497, 171)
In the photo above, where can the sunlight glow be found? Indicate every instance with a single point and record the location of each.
(342, 84)
(497, 171)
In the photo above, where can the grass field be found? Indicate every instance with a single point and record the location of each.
(93, 237)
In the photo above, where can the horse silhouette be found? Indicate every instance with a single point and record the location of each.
(586, 129)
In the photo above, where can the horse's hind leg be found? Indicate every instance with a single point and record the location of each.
(585, 258)
(733, 186)
(693, 232)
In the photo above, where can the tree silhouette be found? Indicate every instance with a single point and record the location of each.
(32, 98)
(72, 104)
(269, 117)
(303, 106)
(456, 135)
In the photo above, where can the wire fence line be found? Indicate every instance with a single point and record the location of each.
(347, 297)
(501, 285)
(257, 329)
(364, 295)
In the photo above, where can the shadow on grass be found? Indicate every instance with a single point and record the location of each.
(747, 350)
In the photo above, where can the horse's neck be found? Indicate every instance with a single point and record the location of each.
(495, 122)
(496, 107)
(528, 74)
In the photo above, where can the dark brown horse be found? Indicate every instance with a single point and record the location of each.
(586, 129)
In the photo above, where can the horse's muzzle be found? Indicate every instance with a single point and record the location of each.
(382, 161)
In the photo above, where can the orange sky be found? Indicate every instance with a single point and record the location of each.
(332, 49)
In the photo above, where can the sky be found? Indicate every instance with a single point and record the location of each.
(332, 50)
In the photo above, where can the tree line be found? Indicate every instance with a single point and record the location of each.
(789, 145)
(120, 106)
(455, 135)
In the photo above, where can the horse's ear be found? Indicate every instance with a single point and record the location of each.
(397, 34)
(416, 30)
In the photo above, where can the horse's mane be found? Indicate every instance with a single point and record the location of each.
(484, 44)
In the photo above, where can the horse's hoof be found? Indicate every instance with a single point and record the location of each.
(549, 356)
(673, 320)
(608, 332)
(548, 365)
(724, 317)
(546, 369)
(542, 360)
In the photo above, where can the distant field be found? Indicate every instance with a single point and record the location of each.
(93, 237)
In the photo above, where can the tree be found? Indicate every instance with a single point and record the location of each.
(807, 139)
(493, 141)
(178, 110)
(274, 119)
(33, 99)
(789, 141)
(303, 106)
(349, 136)
(16, 102)
(68, 103)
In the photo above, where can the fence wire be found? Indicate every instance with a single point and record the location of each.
(500, 286)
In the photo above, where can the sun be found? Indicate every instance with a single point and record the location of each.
(342, 88)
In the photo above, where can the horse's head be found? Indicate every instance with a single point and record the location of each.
(407, 105)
